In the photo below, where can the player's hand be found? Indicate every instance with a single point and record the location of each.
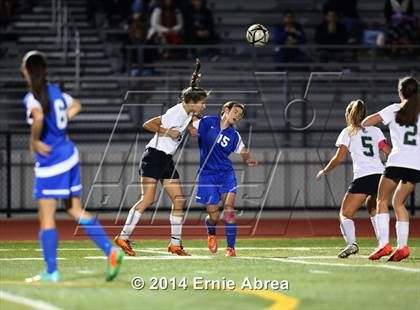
(252, 162)
(40, 147)
(174, 134)
(320, 174)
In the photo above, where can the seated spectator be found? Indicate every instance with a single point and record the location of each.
(401, 23)
(347, 11)
(331, 32)
(289, 33)
(143, 8)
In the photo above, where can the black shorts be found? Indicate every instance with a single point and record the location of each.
(402, 174)
(367, 185)
(157, 165)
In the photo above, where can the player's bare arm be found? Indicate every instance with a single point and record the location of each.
(247, 158)
(155, 125)
(372, 120)
(75, 108)
(36, 144)
(339, 156)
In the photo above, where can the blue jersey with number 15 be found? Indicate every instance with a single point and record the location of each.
(54, 129)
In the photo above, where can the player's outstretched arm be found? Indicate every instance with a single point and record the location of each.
(339, 156)
(372, 120)
(155, 125)
(36, 144)
(74, 109)
(247, 157)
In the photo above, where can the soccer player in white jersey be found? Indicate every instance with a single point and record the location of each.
(402, 170)
(157, 165)
(57, 167)
(364, 144)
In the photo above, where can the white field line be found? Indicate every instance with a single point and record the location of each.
(172, 257)
(304, 262)
(33, 303)
(316, 271)
(28, 258)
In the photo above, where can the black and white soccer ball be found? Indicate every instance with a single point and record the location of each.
(257, 35)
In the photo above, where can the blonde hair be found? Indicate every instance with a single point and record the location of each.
(355, 113)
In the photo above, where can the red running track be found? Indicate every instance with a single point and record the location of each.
(27, 229)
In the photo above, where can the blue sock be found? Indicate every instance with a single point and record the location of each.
(211, 227)
(95, 231)
(49, 243)
(230, 234)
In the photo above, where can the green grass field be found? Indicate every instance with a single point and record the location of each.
(316, 278)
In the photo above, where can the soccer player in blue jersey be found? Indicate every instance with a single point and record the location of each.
(217, 139)
(57, 168)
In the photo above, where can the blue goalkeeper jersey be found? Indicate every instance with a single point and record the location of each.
(63, 155)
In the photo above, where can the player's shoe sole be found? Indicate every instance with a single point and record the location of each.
(350, 249)
(115, 259)
(125, 245)
(45, 277)
(378, 253)
(212, 244)
(230, 252)
(399, 254)
(177, 249)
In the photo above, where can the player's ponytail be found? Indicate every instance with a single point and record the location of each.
(194, 93)
(408, 114)
(36, 65)
(355, 113)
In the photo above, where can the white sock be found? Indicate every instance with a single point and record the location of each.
(176, 229)
(131, 222)
(382, 225)
(373, 220)
(402, 233)
(348, 230)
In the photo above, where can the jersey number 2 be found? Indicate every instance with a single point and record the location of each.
(367, 144)
(60, 113)
(410, 135)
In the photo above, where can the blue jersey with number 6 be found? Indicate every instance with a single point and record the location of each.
(55, 173)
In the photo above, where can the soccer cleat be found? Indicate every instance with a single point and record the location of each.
(349, 250)
(114, 263)
(399, 254)
(379, 252)
(125, 245)
(177, 249)
(230, 252)
(45, 277)
(212, 244)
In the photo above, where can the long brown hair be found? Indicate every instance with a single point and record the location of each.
(36, 65)
(408, 114)
(194, 93)
(355, 113)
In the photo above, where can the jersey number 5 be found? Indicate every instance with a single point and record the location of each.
(367, 144)
(60, 113)
(410, 135)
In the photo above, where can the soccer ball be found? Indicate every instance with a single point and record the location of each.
(257, 35)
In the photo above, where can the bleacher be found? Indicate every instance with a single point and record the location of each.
(369, 74)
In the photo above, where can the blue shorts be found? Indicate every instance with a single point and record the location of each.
(212, 186)
(63, 185)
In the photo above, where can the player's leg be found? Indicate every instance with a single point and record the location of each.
(148, 191)
(370, 204)
(401, 194)
(174, 190)
(228, 200)
(350, 204)
(212, 218)
(386, 187)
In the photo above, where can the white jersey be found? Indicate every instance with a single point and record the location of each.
(364, 150)
(177, 119)
(405, 140)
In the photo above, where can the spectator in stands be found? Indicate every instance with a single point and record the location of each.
(401, 23)
(289, 33)
(143, 8)
(347, 11)
(166, 25)
(331, 32)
